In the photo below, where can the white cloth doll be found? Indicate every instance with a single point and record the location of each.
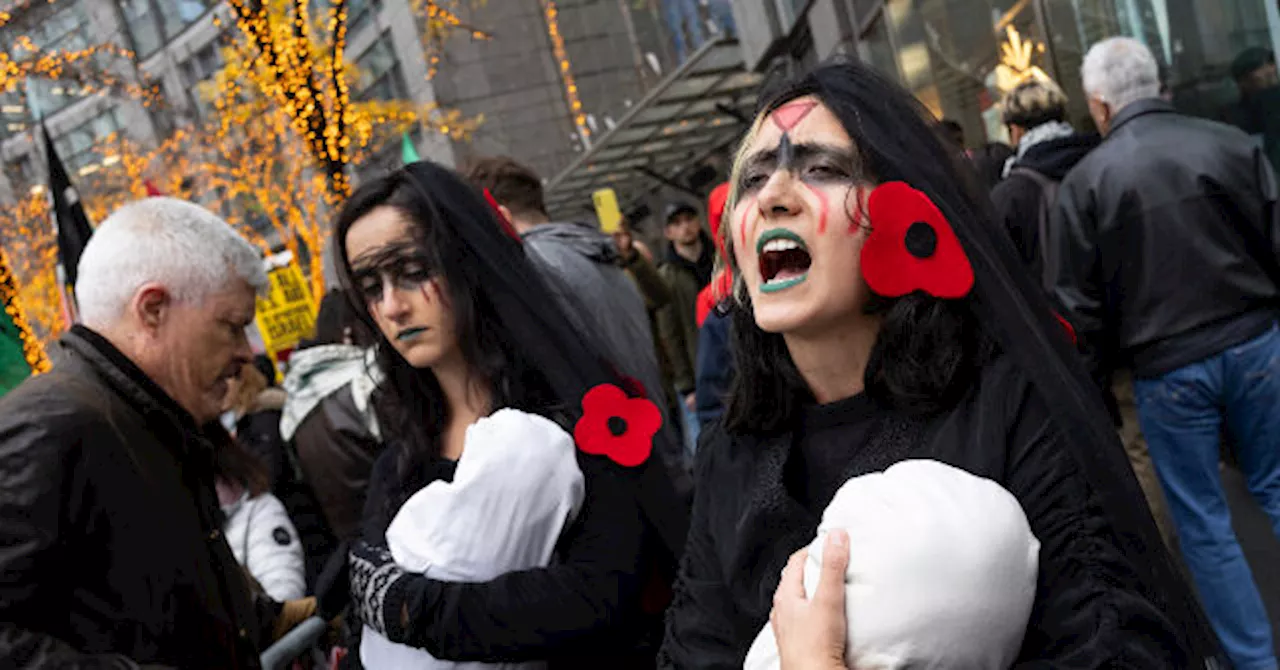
(516, 488)
(942, 571)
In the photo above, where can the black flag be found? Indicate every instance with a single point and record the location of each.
(73, 226)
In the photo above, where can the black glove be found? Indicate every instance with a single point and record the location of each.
(378, 589)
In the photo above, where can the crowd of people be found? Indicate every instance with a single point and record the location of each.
(865, 410)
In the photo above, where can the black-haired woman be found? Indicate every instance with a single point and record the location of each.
(465, 328)
(880, 317)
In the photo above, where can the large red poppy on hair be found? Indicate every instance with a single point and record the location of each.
(617, 426)
(911, 246)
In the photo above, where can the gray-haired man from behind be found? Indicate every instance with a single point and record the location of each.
(111, 551)
(1164, 248)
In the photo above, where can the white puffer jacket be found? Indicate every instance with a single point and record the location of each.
(265, 542)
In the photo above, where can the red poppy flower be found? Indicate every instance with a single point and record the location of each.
(616, 426)
(911, 246)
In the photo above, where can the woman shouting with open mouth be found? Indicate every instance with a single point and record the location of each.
(879, 317)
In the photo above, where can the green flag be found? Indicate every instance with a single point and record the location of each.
(13, 363)
(408, 152)
(13, 336)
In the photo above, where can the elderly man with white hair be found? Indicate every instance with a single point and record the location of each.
(1164, 251)
(111, 551)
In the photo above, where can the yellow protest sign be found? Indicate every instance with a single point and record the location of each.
(287, 313)
(607, 211)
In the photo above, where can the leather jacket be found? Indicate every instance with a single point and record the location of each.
(1163, 244)
(111, 546)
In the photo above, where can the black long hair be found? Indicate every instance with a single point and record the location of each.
(929, 350)
(510, 333)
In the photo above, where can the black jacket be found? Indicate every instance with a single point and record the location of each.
(336, 452)
(1165, 242)
(1090, 611)
(715, 365)
(678, 320)
(1019, 197)
(111, 549)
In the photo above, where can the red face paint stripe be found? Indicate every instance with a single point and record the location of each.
(856, 223)
(791, 114)
(824, 210)
(742, 224)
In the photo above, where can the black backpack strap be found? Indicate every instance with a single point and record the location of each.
(1048, 197)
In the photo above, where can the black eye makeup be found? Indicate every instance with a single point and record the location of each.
(404, 264)
(811, 163)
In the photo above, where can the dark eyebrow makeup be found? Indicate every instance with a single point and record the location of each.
(810, 162)
(404, 263)
(387, 255)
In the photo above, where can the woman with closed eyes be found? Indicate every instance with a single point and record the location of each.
(880, 318)
(501, 526)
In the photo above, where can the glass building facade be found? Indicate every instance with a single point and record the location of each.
(960, 56)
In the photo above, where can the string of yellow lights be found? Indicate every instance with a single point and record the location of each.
(31, 348)
(79, 66)
(442, 22)
(566, 69)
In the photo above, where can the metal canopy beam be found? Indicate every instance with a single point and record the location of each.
(698, 109)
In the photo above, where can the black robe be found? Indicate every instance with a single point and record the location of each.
(1089, 610)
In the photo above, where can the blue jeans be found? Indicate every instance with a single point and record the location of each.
(1182, 416)
(692, 427)
(682, 15)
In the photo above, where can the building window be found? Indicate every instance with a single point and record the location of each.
(876, 49)
(959, 57)
(360, 13)
(144, 30)
(198, 74)
(952, 56)
(14, 118)
(175, 16)
(862, 9)
(78, 147)
(22, 172)
(61, 32)
(1198, 43)
(380, 76)
(152, 23)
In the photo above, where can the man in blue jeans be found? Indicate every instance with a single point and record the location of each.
(1163, 250)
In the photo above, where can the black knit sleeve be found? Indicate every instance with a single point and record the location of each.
(544, 612)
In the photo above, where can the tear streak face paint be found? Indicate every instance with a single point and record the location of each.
(824, 207)
(857, 217)
(742, 222)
